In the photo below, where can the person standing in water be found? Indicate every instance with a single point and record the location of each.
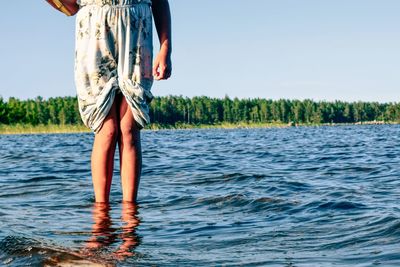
(114, 73)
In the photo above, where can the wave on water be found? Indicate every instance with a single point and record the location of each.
(299, 196)
(18, 251)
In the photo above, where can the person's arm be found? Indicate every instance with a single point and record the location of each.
(162, 18)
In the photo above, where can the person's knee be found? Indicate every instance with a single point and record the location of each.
(109, 132)
(130, 132)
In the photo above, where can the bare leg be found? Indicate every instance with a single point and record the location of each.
(103, 155)
(130, 152)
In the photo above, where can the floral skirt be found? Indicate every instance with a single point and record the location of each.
(113, 54)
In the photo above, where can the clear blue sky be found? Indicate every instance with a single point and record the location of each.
(296, 49)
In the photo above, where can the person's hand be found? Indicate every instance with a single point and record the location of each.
(162, 66)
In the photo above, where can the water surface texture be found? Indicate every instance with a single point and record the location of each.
(306, 196)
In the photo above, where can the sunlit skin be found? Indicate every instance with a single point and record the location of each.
(120, 127)
(162, 66)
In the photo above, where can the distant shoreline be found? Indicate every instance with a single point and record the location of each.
(54, 128)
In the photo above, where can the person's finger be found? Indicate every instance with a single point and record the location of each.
(167, 71)
(167, 74)
(155, 68)
(162, 71)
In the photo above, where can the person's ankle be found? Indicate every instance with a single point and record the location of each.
(102, 201)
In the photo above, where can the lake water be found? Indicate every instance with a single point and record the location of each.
(306, 196)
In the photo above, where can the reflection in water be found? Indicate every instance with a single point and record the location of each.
(104, 235)
(298, 196)
(130, 239)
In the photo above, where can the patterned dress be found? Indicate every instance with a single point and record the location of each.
(113, 54)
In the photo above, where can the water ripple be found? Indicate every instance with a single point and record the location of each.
(300, 196)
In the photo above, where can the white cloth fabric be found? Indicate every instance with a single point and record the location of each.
(113, 53)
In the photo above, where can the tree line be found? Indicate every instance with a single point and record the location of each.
(171, 109)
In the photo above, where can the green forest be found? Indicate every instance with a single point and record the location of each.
(172, 110)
